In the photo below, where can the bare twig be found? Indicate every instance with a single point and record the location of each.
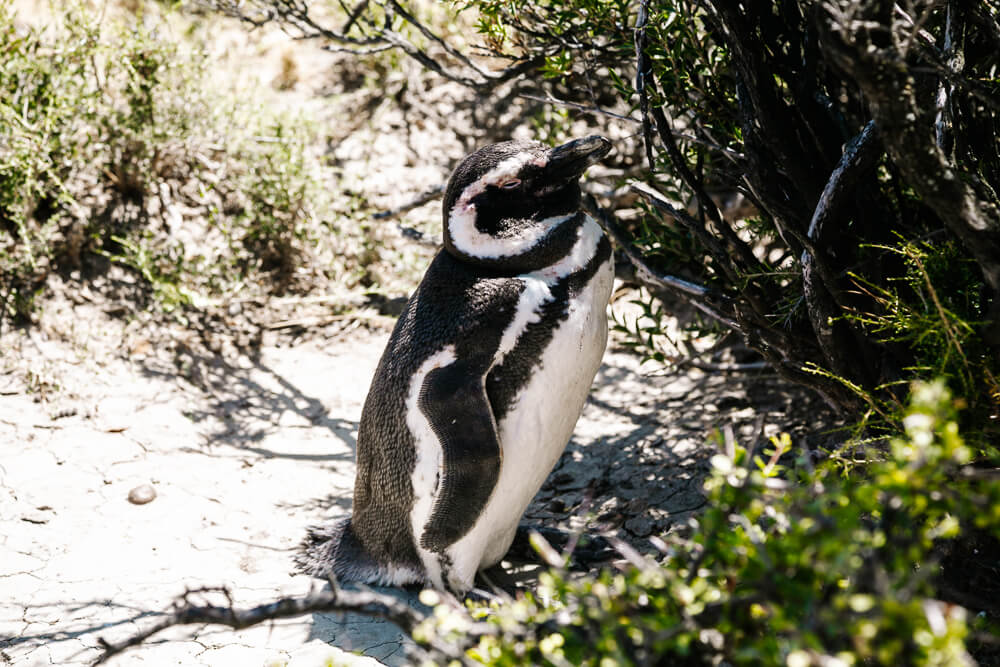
(366, 602)
(860, 154)
(323, 320)
(710, 367)
(587, 108)
(643, 70)
(428, 195)
(448, 48)
(548, 98)
(353, 16)
(712, 244)
(735, 245)
(954, 56)
(645, 273)
(295, 16)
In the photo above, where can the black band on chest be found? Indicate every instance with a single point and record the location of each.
(505, 381)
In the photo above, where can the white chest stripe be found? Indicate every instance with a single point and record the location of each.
(536, 293)
(428, 455)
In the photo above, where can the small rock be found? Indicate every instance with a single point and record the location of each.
(640, 526)
(142, 494)
(556, 505)
(36, 516)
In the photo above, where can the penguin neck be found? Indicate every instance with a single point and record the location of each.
(555, 245)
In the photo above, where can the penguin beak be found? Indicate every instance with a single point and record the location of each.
(569, 161)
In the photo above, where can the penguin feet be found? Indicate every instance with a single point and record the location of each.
(496, 583)
(585, 551)
(481, 595)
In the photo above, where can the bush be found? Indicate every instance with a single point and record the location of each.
(118, 148)
(858, 270)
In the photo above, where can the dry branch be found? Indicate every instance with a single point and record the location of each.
(427, 196)
(818, 278)
(365, 601)
(379, 35)
(961, 199)
(650, 277)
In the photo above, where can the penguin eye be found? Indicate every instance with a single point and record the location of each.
(511, 184)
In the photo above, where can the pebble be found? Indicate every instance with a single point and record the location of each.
(142, 494)
(640, 526)
(40, 515)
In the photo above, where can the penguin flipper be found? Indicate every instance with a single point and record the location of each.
(453, 398)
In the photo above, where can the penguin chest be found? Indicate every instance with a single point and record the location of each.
(541, 417)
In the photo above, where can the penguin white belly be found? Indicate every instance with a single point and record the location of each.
(535, 430)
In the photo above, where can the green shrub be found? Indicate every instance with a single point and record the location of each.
(856, 293)
(118, 146)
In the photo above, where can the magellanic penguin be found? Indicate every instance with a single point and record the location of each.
(484, 377)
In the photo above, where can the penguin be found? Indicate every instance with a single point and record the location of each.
(483, 378)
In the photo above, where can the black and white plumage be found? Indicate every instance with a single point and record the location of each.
(483, 378)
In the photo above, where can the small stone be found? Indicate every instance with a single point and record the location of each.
(560, 479)
(36, 517)
(142, 494)
(640, 526)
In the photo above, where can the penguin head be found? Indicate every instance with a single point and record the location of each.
(507, 205)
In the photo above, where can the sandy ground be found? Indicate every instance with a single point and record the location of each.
(237, 477)
(243, 453)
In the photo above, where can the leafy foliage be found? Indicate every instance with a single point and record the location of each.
(765, 103)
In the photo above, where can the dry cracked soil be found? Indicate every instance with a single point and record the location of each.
(243, 452)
